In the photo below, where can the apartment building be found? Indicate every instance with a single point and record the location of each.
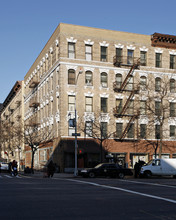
(12, 117)
(105, 73)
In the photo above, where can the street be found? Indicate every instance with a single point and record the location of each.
(84, 198)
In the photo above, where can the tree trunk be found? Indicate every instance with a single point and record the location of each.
(32, 161)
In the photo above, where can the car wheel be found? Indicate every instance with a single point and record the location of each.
(148, 174)
(91, 175)
(121, 175)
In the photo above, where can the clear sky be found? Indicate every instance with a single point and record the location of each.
(26, 26)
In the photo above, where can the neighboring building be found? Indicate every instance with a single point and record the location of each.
(109, 65)
(12, 118)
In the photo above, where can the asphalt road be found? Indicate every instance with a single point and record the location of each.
(85, 198)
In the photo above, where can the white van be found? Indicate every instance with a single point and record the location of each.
(160, 167)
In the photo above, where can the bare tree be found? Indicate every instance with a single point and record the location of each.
(36, 138)
(159, 107)
(96, 126)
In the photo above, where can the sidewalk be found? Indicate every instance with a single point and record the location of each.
(41, 175)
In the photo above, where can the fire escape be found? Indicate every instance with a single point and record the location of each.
(123, 88)
(34, 103)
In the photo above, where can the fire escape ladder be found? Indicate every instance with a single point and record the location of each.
(127, 127)
(128, 75)
(127, 102)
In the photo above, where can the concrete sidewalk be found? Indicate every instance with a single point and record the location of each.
(43, 175)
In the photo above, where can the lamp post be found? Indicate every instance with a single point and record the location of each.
(75, 124)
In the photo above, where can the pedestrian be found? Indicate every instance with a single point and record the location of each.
(136, 170)
(14, 168)
(10, 167)
(50, 169)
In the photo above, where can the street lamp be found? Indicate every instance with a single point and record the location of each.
(75, 124)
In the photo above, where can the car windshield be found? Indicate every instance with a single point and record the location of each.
(150, 162)
(99, 165)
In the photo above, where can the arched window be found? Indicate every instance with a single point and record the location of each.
(104, 80)
(172, 85)
(71, 76)
(157, 84)
(118, 80)
(88, 78)
(143, 82)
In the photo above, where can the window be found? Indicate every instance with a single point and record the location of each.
(71, 77)
(103, 54)
(71, 103)
(143, 107)
(119, 55)
(157, 131)
(88, 78)
(104, 129)
(172, 61)
(130, 56)
(129, 85)
(130, 109)
(172, 109)
(172, 130)
(88, 128)
(71, 50)
(143, 83)
(172, 85)
(104, 105)
(89, 107)
(88, 52)
(157, 84)
(158, 60)
(143, 131)
(118, 106)
(143, 58)
(130, 133)
(104, 80)
(157, 108)
(71, 130)
(118, 80)
(119, 127)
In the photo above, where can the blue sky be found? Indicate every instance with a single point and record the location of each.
(26, 26)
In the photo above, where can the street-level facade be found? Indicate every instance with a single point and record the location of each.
(99, 72)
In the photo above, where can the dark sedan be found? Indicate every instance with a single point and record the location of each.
(107, 170)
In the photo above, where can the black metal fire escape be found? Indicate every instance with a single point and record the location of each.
(122, 112)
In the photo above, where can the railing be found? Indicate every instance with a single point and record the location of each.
(34, 102)
(34, 82)
(125, 61)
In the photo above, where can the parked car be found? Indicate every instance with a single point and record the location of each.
(4, 166)
(107, 170)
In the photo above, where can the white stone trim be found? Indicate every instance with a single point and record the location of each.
(71, 67)
(51, 50)
(104, 95)
(89, 94)
(131, 47)
(71, 93)
(104, 44)
(145, 49)
(71, 40)
(119, 96)
(104, 71)
(158, 50)
(119, 120)
(172, 52)
(56, 43)
(119, 46)
(88, 42)
(46, 55)
(88, 69)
